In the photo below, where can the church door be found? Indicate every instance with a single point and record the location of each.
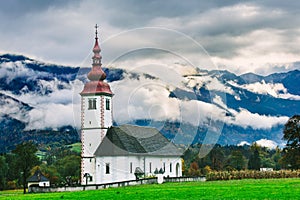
(177, 169)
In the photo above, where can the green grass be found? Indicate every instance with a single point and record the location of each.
(76, 147)
(235, 189)
(40, 154)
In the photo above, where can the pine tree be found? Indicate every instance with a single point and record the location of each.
(254, 160)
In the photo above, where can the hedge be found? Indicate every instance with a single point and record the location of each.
(251, 174)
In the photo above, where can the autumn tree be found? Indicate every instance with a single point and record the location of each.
(291, 133)
(194, 169)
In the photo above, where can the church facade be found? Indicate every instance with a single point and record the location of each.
(113, 154)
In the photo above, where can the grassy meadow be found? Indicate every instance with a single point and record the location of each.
(233, 189)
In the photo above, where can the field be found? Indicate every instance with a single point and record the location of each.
(235, 189)
(76, 147)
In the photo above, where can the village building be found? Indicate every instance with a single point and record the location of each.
(38, 179)
(114, 154)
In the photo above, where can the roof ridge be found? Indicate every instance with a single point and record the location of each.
(134, 125)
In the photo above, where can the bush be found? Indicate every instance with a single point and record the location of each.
(11, 185)
(251, 174)
(206, 170)
(194, 170)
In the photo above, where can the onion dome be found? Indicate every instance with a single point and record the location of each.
(96, 75)
(96, 48)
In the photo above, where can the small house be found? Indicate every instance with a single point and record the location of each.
(38, 179)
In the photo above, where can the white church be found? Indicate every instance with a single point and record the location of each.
(114, 154)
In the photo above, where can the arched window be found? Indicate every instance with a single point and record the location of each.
(107, 168)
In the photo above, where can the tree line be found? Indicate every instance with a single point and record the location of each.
(61, 165)
(252, 157)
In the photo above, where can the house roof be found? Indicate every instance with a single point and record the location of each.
(37, 177)
(135, 140)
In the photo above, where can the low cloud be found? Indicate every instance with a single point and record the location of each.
(246, 119)
(211, 83)
(149, 99)
(276, 90)
(143, 99)
(243, 143)
(139, 97)
(12, 108)
(199, 112)
(12, 70)
(50, 115)
(267, 143)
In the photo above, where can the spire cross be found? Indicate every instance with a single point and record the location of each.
(96, 27)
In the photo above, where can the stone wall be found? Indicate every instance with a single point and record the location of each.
(36, 189)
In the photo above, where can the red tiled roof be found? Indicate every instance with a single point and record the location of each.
(96, 87)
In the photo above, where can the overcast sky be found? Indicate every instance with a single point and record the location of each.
(240, 36)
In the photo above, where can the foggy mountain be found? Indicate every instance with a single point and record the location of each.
(41, 102)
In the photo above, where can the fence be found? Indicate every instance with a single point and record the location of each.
(37, 189)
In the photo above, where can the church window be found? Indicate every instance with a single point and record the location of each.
(107, 104)
(92, 104)
(107, 168)
(131, 168)
(170, 167)
(150, 167)
(164, 166)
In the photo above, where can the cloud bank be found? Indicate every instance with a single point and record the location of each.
(240, 36)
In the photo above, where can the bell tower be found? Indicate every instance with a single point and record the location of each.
(96, 114)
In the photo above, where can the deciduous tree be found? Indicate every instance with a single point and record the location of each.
(291, 133)
(25, 159)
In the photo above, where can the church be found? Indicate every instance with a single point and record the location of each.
(118, 153)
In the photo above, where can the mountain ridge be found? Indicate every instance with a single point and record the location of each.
(37, 90)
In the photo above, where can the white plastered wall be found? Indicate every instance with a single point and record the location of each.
(120, 167)
(99, 117)
(94, 125)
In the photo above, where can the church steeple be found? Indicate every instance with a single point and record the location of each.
(96, 115)
(96, 48)
(96, 75)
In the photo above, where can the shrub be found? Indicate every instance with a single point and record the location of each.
(206, 170)
(251, 174)
(11, 185)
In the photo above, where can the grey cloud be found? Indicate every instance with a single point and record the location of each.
(60, 31)
(18, 8)
(134, 13)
